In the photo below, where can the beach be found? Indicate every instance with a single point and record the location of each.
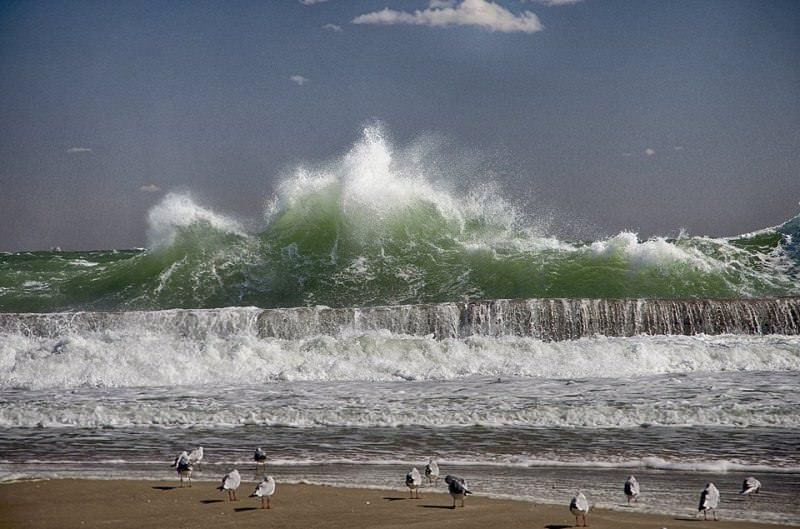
(146, 504)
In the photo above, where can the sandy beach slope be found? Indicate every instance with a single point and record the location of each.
(153, 504)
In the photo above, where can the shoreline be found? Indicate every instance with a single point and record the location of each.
(122, 503)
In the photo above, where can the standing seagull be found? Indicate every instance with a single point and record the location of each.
(184, 467)
(750, 486)
(632, 489)
(579, 507)
(432, 472)
(231, 482)
(265, 489)
(260, 457)
(457, 488)
(709, 499)
(195, 456)
(413, 481)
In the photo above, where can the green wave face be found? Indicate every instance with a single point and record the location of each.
(375, 228)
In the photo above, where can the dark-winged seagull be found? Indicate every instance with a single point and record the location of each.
(183, 465)
(265, 489)
(709, 499)
(231, 482)
(413, 482)
(750, 486)
(432, 472)
(457, 488)
(632, 489)
(260, 457)
(579, 507)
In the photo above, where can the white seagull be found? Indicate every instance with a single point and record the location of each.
(632, 489)
(265, 489)
(750, 486)
(457, 488)
(231, 482)
(579, 507)
(195, 456)
(260, 457)
(709, 499)
(183, 465)
(413, 482)
(432, 472)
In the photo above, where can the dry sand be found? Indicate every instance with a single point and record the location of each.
(66, 504)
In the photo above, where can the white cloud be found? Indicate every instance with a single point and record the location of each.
(299, 79)
(649, 152)
(150, 188)
(678, 148)
(332, 27)
(311, 2)
(73, 150)
(482, 13)
(627, 154)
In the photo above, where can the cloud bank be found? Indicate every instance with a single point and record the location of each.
(299, 79)
(150, 188)
(73, 150)
(481, 13)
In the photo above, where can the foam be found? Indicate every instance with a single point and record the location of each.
(176, 211)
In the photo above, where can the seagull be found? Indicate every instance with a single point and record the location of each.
(709, 499)
(184, 467)
(265, 489)
(182, 455)
(457, 488)
(432, 472)
(579, 506)
(195, 456)
(260, 457)
(750, 486)
(632, 489)
(231, 482)
(413, 481)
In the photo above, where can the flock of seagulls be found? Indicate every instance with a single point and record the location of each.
(709, 498)
(185, 462)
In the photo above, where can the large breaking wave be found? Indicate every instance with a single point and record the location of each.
(386, 226)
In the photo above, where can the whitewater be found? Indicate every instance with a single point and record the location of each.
(386, 311)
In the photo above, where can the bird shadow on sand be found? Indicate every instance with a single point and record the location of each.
(689, 519)
(206, 502)
(165, 487)
(556, 526)
(396, 498)
(449, 507)
(245, 509)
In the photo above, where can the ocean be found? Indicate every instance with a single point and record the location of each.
(380, 316)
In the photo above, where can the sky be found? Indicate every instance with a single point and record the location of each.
(637, 115)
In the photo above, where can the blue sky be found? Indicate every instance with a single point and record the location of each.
(634, 115)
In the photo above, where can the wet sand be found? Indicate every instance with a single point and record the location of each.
(71, 503)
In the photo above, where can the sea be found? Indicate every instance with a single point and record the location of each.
(383, 313)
